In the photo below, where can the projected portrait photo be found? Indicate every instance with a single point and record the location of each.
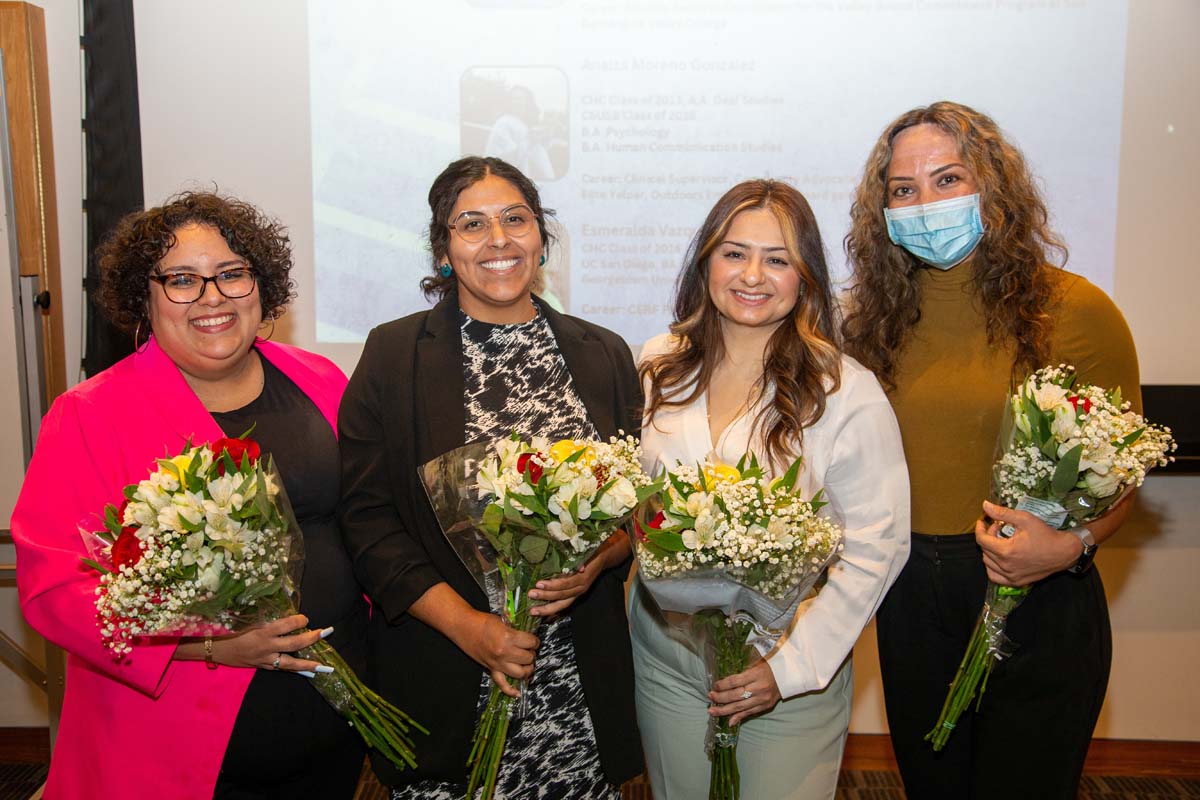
(518, 114)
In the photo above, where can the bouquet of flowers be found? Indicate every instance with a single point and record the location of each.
(1066, 454)
(517, 511)
(208, 544)
(737, 553)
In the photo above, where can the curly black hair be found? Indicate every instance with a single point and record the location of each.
(138, 243)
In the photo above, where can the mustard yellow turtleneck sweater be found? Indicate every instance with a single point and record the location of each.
(951, 386)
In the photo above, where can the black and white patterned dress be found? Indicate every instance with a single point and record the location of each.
(516, 379)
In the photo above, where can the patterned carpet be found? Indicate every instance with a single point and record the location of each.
(879, 785)
(20, 780)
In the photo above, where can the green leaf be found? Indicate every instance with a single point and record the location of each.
(1067, 472)
(681, 488)
(741, 465)
(533, 548)
(553, 563)
(493, 515)
(1130, 439)
(788, 483)
(97, 566)
(669, 541)
(644, 493)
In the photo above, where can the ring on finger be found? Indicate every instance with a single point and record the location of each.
(275, 663)
(746, 695)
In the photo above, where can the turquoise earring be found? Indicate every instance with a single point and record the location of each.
(542, 261)
(445, 271)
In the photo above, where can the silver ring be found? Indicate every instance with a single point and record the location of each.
(275, 663)
(746, 695)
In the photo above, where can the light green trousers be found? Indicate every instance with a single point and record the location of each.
(793, 752)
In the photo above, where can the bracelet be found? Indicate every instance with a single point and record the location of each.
(208, 653)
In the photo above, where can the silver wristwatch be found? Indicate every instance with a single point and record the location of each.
(1089, 550)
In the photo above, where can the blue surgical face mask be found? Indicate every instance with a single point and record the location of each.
(941, 234)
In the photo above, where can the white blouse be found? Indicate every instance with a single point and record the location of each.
(854, 453)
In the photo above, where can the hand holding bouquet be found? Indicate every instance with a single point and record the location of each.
(737, 553)
(207, 544)
(1065, 455)
(539, 510)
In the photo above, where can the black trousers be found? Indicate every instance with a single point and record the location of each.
(1031, 734)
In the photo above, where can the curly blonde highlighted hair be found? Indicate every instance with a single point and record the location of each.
(802, 360)
(1010, 265)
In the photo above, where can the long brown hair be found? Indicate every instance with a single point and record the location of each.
(1010, 265)
(802, 360)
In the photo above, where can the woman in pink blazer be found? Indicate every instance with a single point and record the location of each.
(193, 281)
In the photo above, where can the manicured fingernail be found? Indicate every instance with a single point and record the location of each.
(540, 585)
(306, 673)
(324, 669)
(534, 595)
(325, 633)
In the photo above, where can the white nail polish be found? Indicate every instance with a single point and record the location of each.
(306, 673)
(325, 633)
(324, 669)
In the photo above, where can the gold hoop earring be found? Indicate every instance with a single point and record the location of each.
(270, 333)
(137, 334)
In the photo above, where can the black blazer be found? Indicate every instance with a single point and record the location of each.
(403, 407)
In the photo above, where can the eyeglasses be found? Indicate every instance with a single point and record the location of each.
(474, 226)
(188, 287)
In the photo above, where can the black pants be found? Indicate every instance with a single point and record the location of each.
(288, 743)
(1031, 735)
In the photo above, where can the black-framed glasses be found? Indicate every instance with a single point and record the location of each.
(188, 287)
(474, 226)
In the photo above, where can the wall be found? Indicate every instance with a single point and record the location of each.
(1149, 569)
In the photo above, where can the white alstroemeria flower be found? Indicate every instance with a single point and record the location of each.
(1050, 396)
(156, 490)
(587, 485)
(491, 482)
(210, 578)
(507, 451)
(619, 498)
(1064, 424)
(139, 513)
(1099, 485)
(697, 502)
(691, 540)
(184, 505)
(272, 485)
(565, 529)
(1098, 458)
(560, 501)
(220, 527)
(221, 491)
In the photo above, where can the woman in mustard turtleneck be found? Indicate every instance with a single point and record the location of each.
(954, 300)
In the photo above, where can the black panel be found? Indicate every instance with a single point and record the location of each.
(112, 132)
(1177, 407)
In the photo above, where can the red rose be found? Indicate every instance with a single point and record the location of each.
(527, 465)
(127, 549)
(238, 450)
(1076, 401)
(655, 523)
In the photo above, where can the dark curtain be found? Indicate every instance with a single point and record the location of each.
(113, 137)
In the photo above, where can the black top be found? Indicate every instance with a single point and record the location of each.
(403, 407)
(515, 379)
(284, 724)
(290, 428)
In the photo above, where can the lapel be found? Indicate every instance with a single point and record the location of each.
(175, 404)
(588, 364)
(438, 384)
(322, 391)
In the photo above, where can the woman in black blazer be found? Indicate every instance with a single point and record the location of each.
(488, 358)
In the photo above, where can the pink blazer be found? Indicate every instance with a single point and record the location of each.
(150, 726)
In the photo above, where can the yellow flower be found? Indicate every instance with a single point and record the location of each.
(565, 448)
(720, 472)
(182, 462)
